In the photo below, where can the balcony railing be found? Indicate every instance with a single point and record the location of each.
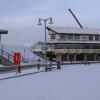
(39, 48)
(77, 51)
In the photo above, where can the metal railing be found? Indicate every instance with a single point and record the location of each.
(38, 48)
(6, 55)
(77, 51)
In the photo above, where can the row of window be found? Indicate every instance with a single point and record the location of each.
(77, 46)
(76, 37)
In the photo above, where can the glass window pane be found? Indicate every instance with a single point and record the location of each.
(97, 37)
(62, 36)
(52, 36)
(91, 37)
(76, 37)
(69, 37)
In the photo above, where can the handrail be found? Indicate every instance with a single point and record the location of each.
(77, 50)
(7, 55)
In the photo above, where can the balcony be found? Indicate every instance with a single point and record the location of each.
(39, 48)
(78, 51)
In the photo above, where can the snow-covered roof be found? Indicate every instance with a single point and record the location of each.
(71, 30)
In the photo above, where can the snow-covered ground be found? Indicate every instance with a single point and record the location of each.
(72, 82)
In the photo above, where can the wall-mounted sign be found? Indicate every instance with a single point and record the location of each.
(44, 47)
(84, 37)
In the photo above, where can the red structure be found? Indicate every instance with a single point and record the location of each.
(17, 58)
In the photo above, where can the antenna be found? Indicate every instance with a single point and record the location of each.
(75, 18)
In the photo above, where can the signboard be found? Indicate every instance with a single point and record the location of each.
(44, 47)
(17, 58)
(84, 37)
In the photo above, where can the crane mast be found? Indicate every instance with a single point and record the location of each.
(75, 18)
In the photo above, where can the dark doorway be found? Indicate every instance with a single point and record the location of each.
(80, 57)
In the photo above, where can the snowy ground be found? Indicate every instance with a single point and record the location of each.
(72, 82)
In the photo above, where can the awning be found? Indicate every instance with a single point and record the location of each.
(3, 31)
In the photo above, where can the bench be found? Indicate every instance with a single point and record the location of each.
(49, 68)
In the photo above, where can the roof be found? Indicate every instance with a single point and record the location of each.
(71, 30)
(3, 31)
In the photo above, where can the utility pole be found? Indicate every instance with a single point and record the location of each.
(45, 41)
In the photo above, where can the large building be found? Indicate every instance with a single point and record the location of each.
(73, 44)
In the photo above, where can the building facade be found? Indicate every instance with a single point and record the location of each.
(73, 44)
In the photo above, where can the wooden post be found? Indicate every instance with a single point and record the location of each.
(74, 57)
(85, 57)
(95, 57)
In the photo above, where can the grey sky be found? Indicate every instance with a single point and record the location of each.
(20, 17)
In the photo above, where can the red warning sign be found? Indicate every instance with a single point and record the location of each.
(17, 58)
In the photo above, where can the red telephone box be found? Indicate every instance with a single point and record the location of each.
(17, 58)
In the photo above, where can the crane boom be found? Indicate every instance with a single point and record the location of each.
(75, 18)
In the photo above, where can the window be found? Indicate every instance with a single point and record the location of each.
(62, 36)
(77, 37)
(55, 46)
(91, 37)
(96, 37)
(69, 37)
(52, 36)
(66, 46)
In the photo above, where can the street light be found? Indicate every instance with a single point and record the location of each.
(45, 24)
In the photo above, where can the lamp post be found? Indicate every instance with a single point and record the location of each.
(45, 24)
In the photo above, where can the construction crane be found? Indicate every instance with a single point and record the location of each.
(75, 18)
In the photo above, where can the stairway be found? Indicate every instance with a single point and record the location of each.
(5, 58)
(41, 55)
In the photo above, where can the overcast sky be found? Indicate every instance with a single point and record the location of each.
(20, 17)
